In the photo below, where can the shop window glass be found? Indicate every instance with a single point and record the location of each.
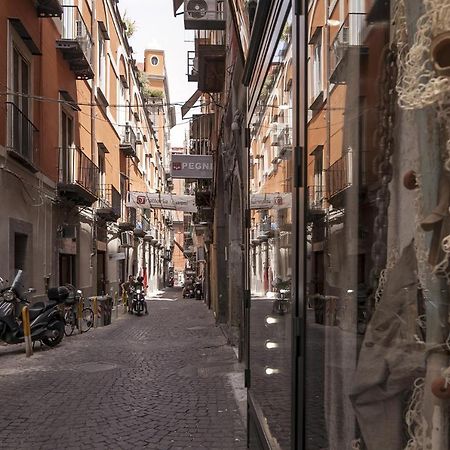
(377, 312)
(271, 240)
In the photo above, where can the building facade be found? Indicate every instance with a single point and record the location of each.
(76, 137)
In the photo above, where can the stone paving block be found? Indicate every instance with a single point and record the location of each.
(155, 382)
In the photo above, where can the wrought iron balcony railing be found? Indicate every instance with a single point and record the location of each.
(109, 202)
(22, 135)
(339, 175)
(76, 43)
(192, 66)
(128, 141)
(350, 35)
(127, 218)
(315, 198)
(78, 176)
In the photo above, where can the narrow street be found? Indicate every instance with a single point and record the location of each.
(163, 381)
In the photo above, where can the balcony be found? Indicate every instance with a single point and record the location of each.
(347, 43)
(128, 142)
(211, 68)
(78, 177)
(127, 220)
(76, 43)
(315, 200)
(284, 143)
(339, 178)
(109, 203)
(49, 8)
(192, 66)
(22, 136)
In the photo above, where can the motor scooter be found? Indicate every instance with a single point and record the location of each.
(138, 302)
(46, 320)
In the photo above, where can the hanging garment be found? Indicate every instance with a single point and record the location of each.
(390, 359)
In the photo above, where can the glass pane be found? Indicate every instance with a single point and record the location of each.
(271, 253)
(378, 228)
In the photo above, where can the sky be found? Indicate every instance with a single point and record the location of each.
(157, 28)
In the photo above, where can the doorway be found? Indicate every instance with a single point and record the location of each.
(67, 273)
(101, 276)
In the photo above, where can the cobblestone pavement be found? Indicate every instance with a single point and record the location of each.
(162, 381)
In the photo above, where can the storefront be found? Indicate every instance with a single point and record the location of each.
(348, 252)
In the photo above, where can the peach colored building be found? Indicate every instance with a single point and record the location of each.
(75, 138)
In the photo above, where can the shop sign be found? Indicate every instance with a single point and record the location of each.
(68, 246)
(147, 200)
(192, 166)
(276, 200)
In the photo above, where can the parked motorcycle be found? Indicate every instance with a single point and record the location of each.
(46, 321)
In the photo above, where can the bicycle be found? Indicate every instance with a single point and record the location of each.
(70, 313)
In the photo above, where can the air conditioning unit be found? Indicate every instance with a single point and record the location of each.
(204, 15)
(126, 239)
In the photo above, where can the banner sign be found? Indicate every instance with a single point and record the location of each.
(192, 166)
(147, 200)
(275, 200)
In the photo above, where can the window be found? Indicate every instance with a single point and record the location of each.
(122, 109)
(101, 62)
(154, 60)
(318, 171)
(316, 60)
(21, 137)
(101, 169)
(66, 155)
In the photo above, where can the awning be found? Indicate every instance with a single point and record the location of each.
(176, 6)
(190, 103)
(70, 101)
(25, 36)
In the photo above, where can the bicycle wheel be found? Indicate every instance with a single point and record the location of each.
(87, 319)
(70, 322)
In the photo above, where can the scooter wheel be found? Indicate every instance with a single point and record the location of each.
(58, 328)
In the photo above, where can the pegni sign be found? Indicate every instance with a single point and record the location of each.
(192, 166)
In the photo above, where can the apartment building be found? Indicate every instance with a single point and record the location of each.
(76, 138)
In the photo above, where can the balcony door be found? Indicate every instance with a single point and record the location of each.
(67, 161)
(21, 83)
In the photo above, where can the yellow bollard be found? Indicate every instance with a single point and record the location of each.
(79, 314)
(116, 304)
(95, 308)
(27, 331)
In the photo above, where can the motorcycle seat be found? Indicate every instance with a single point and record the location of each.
(36, 309)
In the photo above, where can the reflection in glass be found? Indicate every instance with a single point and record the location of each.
(271, 239)
(377, 230)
